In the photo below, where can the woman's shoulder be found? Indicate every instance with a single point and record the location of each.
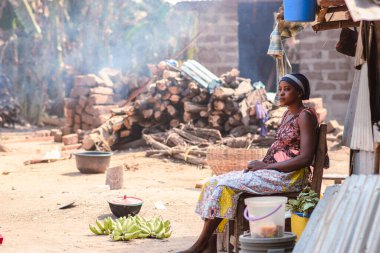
(309, 115)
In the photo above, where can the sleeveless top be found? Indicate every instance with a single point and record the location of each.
(287, 142)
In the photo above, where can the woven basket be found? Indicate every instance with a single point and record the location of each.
(223, 160)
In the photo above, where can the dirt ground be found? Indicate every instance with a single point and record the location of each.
(31, 221)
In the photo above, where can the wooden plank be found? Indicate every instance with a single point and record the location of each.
(335, 25)
(319, 159)
(377, 159)
(330, 3)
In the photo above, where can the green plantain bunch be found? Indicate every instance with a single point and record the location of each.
(124, 229)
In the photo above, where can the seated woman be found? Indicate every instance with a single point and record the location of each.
(284, 168)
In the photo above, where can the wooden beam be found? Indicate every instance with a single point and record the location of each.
(334, 25)
(331, 3)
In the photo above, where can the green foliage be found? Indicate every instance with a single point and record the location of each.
(305, 203)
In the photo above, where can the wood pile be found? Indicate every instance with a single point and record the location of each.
(172, 98)
(10, 109)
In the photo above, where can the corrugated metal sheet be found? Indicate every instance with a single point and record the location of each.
(347, 220)
(358, 126)
(363, 10)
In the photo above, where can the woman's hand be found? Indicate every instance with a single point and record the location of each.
(255, 165)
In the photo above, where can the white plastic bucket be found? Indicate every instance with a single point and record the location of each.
(266, 216)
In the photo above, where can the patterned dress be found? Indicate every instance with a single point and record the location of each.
(220, 194)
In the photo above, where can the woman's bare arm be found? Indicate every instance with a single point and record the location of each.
(308, 126)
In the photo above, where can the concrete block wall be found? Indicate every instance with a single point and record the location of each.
(218, 44)
(330, 73)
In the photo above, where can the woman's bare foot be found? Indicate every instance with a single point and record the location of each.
(194, 249)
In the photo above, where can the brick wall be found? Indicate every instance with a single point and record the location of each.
(330, 73)
(218, 46)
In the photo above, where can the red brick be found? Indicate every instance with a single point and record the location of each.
(325, 86)
(83, 101)
(88, 80)
(58, 137)
(338, 76)
(70, 139)
(101, 119)
(87, 118)
(78, 91)
(98, 99)
(66, 130)
(70, 103)
(77, 119)
(102, 90)
(78, 110)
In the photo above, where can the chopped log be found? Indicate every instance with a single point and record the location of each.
(218, 105)
(201, 98)
(147, 113)
(175, 90)
(230, 77)
(161, 85)
(201, 123)
(174, 123)
(190, 137)
(172, 110)
(164, 105)
(233, 121)
(117, 126)
(204, 114)
(140, 143)
(193, 108)
(166, 96)
(176, 151)
(167, 74)
(222, 92)
(127, 110)
(124, 133)
(242, 130)
(238, 142)
(187, 117)
(157, 115)
(214, 121)
(174, 139)
(205, 133)
(175, 99)
(129, 121)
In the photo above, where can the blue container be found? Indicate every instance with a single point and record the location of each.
(300, 10)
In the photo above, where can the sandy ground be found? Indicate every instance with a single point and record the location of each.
(31, 221)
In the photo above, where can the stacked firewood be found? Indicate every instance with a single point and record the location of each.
(90, 103)
(173, 98)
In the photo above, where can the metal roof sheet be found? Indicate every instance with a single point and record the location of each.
(347, 220)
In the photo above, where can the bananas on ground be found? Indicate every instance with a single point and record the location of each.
(124, 229)
(103, 228)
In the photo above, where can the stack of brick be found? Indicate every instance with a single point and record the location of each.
(90, 103)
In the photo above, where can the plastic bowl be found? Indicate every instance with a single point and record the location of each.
(124, 206)
(93, 161)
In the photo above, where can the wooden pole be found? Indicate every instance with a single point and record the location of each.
(335, 25)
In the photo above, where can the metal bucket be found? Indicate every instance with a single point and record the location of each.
(282, 244)
(93, 161)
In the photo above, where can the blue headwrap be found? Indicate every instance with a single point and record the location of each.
(300, 82)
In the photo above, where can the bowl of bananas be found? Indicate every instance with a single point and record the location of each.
(124, 206)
